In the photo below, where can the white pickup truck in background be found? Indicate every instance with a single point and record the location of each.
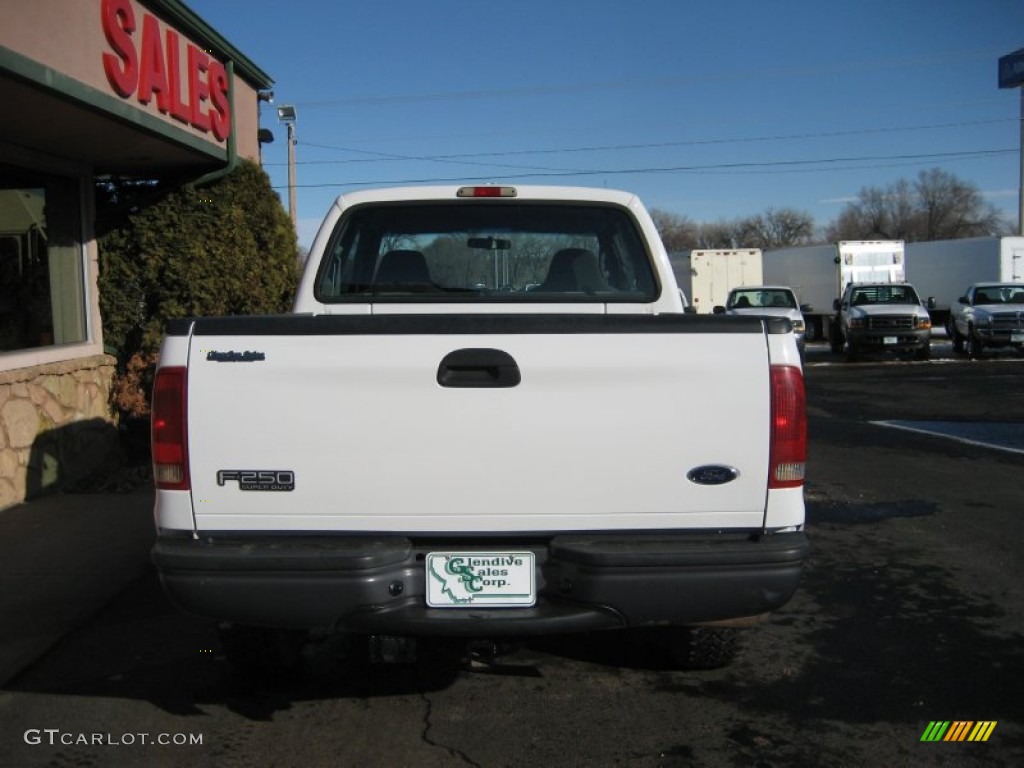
(886, 318)
(487, 417)
(768, 301)
(987, 315)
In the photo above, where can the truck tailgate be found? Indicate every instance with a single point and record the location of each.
(354, 429)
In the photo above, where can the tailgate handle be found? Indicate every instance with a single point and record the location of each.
(478, 368)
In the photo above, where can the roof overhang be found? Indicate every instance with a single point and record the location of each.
(51, 113)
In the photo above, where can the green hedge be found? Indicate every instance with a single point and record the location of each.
(170, 250)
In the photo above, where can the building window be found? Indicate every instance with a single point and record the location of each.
(42, 285)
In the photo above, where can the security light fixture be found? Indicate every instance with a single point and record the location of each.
(286, 114)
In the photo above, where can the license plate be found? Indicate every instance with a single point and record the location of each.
(472, 579)
(890, 340)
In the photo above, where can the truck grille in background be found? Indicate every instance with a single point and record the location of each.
(891, 323)
(1008, 321)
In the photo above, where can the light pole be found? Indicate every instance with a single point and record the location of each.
(1011, 75)
(286, 114)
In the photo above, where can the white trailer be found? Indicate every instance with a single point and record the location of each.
(819, 274)
(943, 269)
(707, 275)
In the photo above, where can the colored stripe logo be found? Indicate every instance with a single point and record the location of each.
(959, 730)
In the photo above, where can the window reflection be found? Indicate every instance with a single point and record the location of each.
(42, 296)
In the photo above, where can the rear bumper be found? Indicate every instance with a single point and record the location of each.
(584, 582)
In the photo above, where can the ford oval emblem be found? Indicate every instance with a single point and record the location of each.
(712, 474)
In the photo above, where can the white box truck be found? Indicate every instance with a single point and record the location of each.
(819, 274)
(945, 268)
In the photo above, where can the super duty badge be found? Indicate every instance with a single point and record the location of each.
(258, 479)
(235, 357)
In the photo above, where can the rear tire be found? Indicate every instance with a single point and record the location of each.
(958, 342)
(955, 337)
(835, 339)
(704, 647)
(262, 651)
(973, 344)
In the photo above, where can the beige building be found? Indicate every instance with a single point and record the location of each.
(91, 88)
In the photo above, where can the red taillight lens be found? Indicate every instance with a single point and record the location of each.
(488, 191)
(170, 444)
(788, 454)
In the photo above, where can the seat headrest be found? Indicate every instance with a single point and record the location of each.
(574, 269)
(402, 267)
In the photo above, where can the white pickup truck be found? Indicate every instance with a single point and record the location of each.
(487, 417)
(886, 318)
(769, 300)
(987, 315)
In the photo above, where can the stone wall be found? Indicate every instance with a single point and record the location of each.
(56, 425)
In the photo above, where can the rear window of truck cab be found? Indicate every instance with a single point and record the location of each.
(486, 251)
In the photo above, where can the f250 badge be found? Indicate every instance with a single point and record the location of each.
(258, 479)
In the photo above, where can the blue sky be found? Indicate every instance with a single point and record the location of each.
(713, 110)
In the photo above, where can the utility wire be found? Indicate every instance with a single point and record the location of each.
(775, 166)
(388, 156)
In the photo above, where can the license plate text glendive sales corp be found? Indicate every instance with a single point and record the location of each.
(472, 579)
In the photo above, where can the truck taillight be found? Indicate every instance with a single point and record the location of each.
(170, 444)
(488, 191)
(788, 454)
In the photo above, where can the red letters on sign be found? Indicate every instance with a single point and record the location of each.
(180, 110)
(220, 116)
(199, 86)
(120, 66)
(153, 69)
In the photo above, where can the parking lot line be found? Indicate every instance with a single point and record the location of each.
(1000, 436)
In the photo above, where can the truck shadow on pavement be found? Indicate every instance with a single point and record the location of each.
(878, 635)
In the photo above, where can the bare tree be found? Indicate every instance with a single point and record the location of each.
(678, 232)
(951, 208)
(887, 214)
(936, 206)
(720, 234)
(772, 229)
(776, 229)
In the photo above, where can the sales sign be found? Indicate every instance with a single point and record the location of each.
(151, 62)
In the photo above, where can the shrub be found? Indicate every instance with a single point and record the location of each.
(170, 250)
